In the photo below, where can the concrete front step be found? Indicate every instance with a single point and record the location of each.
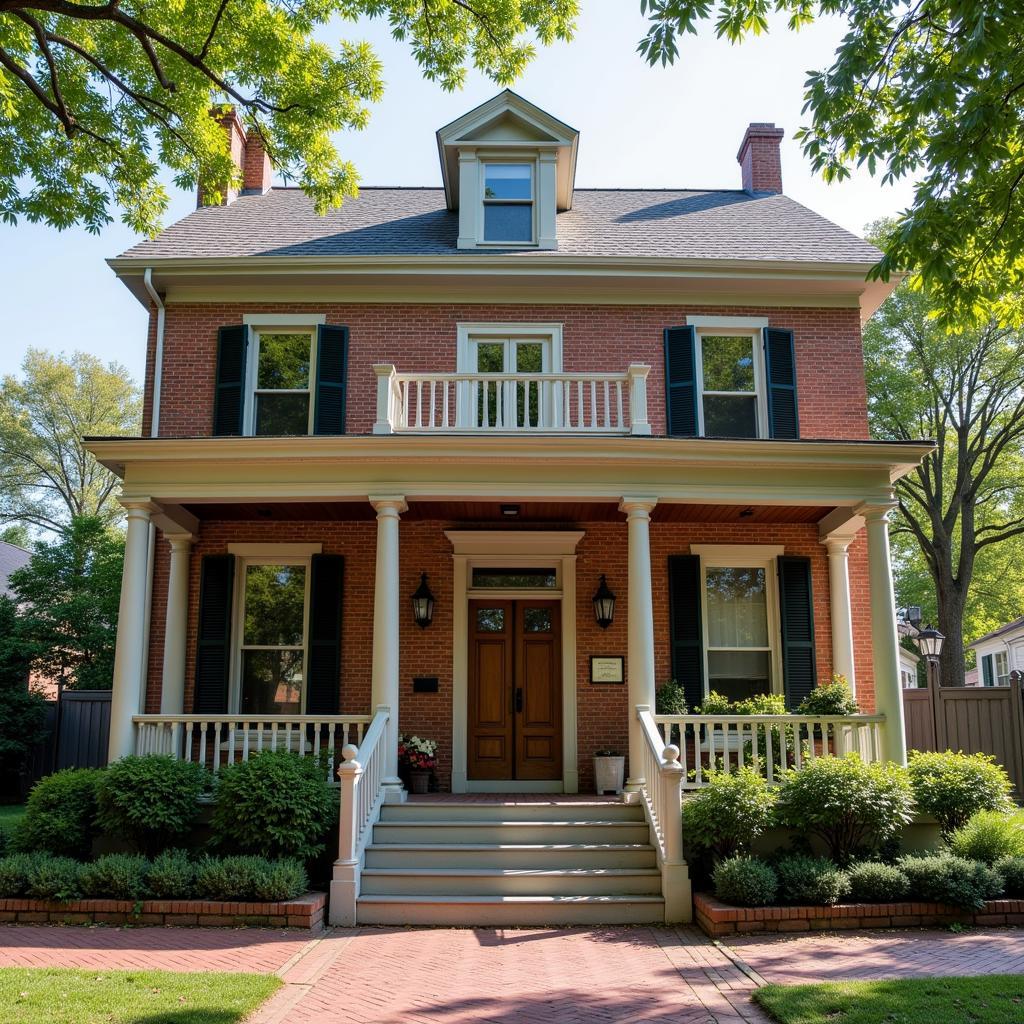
(550, 856)
(511, 832)
(473, 911)
(511, 881)
(433, 811)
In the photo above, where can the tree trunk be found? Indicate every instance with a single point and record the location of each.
(951, 603)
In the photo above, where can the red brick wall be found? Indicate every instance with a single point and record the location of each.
(830, 371)
(602, 709)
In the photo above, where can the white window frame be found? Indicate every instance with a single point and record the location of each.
(278, 323)
(1001, 676)
(509, 159)
(745, 556)
(760, 392)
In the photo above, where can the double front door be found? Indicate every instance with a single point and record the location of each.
(515, 690)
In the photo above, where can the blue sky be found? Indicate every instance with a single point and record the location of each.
(640, 126)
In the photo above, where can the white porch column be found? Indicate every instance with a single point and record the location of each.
(172, 691)
(386, 603)
(126, 695)
(640, 612)
(884, 640)
(840, 610)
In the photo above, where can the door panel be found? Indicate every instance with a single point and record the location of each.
(538, 672)
(490, 750)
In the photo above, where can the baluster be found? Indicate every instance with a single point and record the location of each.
(300, 738)
(444, 404)
(188, 741)
(245, 741)
(202, 743)
(419, 404)
(316, 739)
(798, 760)
(486, 405)
(405, 403)
(768, 752)
(273, 735)
(218, 745)
(755, 729)
(593, 404)
(810, 734)
(581, 421)
(433, 404)
(741, 754)
(607, 405)
(619, 422)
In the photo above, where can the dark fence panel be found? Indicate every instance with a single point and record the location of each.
(919, 719)
(84, 729)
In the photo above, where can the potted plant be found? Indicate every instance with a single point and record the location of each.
(418, 757)
(609, 768)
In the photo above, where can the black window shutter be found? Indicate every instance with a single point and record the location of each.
(331, 379)
(780, 363)
(681, 381)
(686, 631)
(229, 396)
(987, 675)
(213, 644)
(796, 605)
(324, 674)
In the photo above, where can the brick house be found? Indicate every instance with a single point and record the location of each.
(519, 395)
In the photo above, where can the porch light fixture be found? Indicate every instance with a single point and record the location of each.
(930, 642)
(423, 604)
(604, 604)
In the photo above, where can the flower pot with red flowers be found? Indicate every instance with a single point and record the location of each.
(417, 758)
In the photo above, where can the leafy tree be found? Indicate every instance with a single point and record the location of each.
(925, 88)
(17, 534)
(48, 476)
(95, 96)
(70, 591)
(22, 711)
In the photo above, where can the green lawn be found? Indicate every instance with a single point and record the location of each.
(10, 815)
(993, 999)
(62, 996)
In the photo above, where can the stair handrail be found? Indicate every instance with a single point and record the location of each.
(360, 775)
(662, 789)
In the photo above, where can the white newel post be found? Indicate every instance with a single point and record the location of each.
(675, 873)
(126, 695)
(385, 383)
(884, 639)
(345, 880)
(840, 609)
(636, 374)
(386, 603)
(640, 633)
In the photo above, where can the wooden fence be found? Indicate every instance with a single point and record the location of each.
(78, 729)
(985, 719)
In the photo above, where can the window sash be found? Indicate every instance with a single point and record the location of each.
(529, 201)
(758, 395)
(254, 391)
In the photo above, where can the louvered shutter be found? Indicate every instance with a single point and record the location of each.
(229, 396)
(686, 631)
(796, 607)
(331, 379)
(780, 364)
(681, 381)
(213, 644)
(324, 670)
(988, 677)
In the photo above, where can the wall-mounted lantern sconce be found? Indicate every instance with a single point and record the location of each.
(604, 605)
(423, 604)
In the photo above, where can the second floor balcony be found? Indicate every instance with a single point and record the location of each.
(512, 403)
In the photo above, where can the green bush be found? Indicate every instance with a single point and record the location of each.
(745, 882)
(873, 882)
(276, 803)
(172, 876)
(943, 878)
(834, 698)
(670, 699)
(14, 873)
(951, 787)
(249, 878)
(989, 836)
(810, 880)
(850, 805)
(54, 878)
(1011, 870)
(116, 876)
(760, 704)
(60, 814)
(729, 813)
(151, 801)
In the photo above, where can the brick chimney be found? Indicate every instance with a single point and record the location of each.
(248, 155)
(759, 158)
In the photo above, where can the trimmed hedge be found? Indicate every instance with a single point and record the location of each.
(745, 882)
(810, 880)
(60, 815)
(874, 882)
(953, 880)
(952, 787)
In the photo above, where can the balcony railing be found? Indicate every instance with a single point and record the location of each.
(558, 403)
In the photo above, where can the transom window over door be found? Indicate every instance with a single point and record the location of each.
(729, 379)
(508, 203)
(282, 373)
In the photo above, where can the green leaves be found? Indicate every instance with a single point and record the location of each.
(952, 787)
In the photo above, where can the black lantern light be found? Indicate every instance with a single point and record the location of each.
(930, 642)
(604, 605)
(423, 604)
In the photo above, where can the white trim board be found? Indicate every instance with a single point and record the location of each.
(753, 323)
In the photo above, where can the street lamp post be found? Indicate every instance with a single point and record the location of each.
(929, 642)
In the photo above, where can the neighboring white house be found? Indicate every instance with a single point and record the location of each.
(1000, 652)
(908, 668)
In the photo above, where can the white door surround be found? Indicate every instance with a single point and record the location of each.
(510, 549)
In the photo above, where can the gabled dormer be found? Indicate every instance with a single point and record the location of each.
(508, 168)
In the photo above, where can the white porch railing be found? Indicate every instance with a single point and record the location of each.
(218, 740)
(586, 403)
(770, 743)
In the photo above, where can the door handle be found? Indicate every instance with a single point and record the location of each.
(518, 703)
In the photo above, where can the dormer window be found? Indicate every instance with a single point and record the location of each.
(508, 203)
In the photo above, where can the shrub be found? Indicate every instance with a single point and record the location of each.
(988, 836)
(60, 814)
(952, 880)
(833, 698)
(249, 878)
(172, 876)
(951, 787)
(150, 800)
(1011, 870)
(670, 699)
(729, 813)
(873, 882)
(714, 704)
(14, 873)
(850, 805)
(745, 882)
(276, 803)
(117, 876)
(760, 704)
(810, 880)
(54, 878)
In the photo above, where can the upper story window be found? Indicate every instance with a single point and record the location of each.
(995, 669)
(508, 215)
(281, 394)
(730, 384)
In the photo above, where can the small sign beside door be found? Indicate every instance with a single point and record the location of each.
(607, 668)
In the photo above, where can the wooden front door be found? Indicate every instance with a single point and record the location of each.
(515, 690)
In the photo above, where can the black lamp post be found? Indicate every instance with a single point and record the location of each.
(929, 643)
(423, 604)
(604, 605)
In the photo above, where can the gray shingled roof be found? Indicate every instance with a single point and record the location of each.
(727, 225)
(11, 557)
